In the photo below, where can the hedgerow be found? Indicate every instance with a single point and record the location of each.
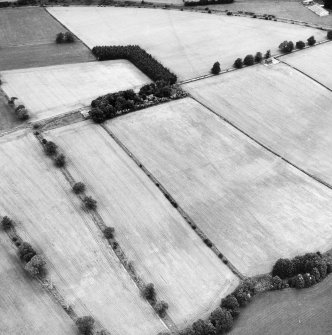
(139, 57)
(207, 2)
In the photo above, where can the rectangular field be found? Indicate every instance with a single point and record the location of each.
(163, 247)
(315, 62)
(80, 262)
(252, 205)
(25, 306)
(278, 106)
(49, 91)
(188, 43)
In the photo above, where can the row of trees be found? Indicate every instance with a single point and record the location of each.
(329, 35)
(20, 111)
(66, 37)
(251, 60)
(207, 2)
(139, 57)
(150, 295)
(288, 46)
(51, 150)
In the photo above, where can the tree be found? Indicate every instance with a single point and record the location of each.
(249, 60)
(161, 308)
(283, 268)
(97, 115)
(78, 188)
(215, 68)
(85, 325)
(276, 283)
(286, 46)
(202, 327)
(238, 64)
(328, 4)
(50, 148)
(90, 203)
(311, 40)
(60, 38)
(149, 293)
(36, 266)
(267, 54)
(7, 223)
(187, 331)
(258, 57)
(300, 44)
(69, 37)
(307, 280)
(315, 273)
(60, 160)
(329, 35)
(231, 304)
(225, 322)
(26, 252)
(299, 281)
(108, 232)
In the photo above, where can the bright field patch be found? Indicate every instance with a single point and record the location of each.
(164, 249)
(255, 207)
(49, 91)
(278, 106)
(187, 43)
(25, 306)
(289, 312)
(315, 62)
(80, 262)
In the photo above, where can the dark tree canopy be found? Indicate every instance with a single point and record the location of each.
(85, 325)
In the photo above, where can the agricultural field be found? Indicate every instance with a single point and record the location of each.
(315, 62)
(278, 106)
(187, 43)
(53, 90)
(162, 246)
(27, 38)
(289, 312)
(25, 308)
(255, 207)
(80, 262)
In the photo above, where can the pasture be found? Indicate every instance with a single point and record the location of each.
(53, 90)
(289, 312)
(278, 106)
(315, 62)
(80, 262)
(27, 38)
(187, 43)
(25, 307)
(163, 247)
(252, 205)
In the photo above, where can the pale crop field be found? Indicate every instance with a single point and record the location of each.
(25, 306)
(278, 106)
(187, 43)
(315, 62)
(49, 91)
(252, 205)
(163, 247)
(80, 262)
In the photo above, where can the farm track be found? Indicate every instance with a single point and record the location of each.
(169, 197)
(99, 222)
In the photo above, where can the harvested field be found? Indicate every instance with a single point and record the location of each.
(315, 62)
(289, 312)
(80, 263)
(162, 246)
(24, 306)
(252, 205)
(49, 91)
(27, 38)
(187, 43)
(278, 106)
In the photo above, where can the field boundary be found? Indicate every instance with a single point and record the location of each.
(264, 146)
(169, 197)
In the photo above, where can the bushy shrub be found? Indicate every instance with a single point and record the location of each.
(161, 308)
(267, 54)
(149, 293)
(79, 187)
(60, 160)
(299, 281)
(231, 304)
(311, 40)
(21, 113)
(277, 283)
(85, 325)
(69, 37)
(215, 68)
(36, 266)
(139, 57)
(329, 35)
(286, 46)
(60, 37)
(300, 44)
(90, 203)
(258, 57)
(238, 64)
(26, 252)
(7, 223)
(249, 60)
(50, 148)
(108, 232)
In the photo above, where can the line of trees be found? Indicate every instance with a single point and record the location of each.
(207, 2)
(288, 46)
(251, 60)
(67, 37)
(139, 57)
(150, 295)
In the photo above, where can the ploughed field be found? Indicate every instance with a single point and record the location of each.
(185, 42)
(289, 312)
(163, 247)
(255, 207)
(315, 62)
(25, 307)
(49, 91)
(27, 38)
(279, 107)
(80, 262)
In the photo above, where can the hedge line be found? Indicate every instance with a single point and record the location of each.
(139, 57)
(207, 2)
